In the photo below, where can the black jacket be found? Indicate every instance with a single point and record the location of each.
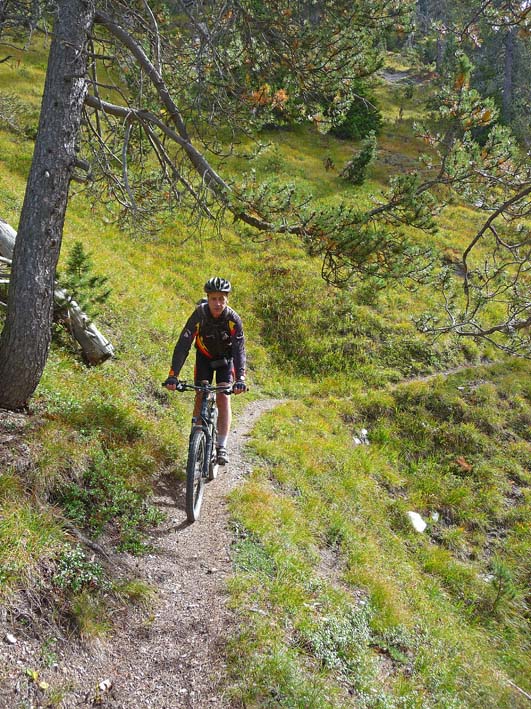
(214, 338)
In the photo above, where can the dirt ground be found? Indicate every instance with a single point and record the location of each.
(169, 656)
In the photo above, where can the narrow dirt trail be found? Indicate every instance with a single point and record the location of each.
(174, 658)
(171, 655)
(444, 373)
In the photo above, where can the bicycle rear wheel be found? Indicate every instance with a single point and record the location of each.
(194, 475)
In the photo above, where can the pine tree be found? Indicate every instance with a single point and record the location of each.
(88, 289)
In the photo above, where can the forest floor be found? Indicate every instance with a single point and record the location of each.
(169, 655)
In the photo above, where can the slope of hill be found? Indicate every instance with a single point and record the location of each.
(335, 599)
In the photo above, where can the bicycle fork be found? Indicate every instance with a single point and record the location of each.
(208, 444)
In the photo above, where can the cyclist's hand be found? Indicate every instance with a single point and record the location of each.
(239, 387)
(171, 383)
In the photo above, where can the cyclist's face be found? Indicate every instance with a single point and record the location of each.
(217, 303)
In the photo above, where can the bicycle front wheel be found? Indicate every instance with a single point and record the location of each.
(194, 475)
(213, 465)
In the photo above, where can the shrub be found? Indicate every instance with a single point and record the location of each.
(355, 170)
(104, 497)
(360, 119)
(81, 283)
(75, 572)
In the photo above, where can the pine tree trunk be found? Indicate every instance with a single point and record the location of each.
(441, 47)
(508, 71)
(26, 336)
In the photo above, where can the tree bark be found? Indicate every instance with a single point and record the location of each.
(26, 336)
(508, 75)
(94, 346)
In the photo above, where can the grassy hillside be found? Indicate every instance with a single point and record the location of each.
(354, 601)
(341, 601)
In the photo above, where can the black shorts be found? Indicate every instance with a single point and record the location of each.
(205, 368)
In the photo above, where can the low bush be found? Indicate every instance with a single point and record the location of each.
(75, 572)
(355, 170)
(102, 497)
(362, 117)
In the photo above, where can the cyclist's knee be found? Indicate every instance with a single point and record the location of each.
(222, 400)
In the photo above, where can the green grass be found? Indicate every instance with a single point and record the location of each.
(441, 615)
(29, 537)
(339, 601)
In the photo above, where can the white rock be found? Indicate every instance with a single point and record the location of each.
(105, 685)
(435, 516)
(416, 520)
(11, 639)
(364, 436)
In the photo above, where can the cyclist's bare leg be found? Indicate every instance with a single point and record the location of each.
(198, 399)
(224, 413)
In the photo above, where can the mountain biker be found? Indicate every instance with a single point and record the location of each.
(220, 347)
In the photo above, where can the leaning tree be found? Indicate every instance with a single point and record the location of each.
(27, 330)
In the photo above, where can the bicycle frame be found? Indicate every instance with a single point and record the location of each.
(207, 407)
(207, 421)
(208, 400)
(201, 464)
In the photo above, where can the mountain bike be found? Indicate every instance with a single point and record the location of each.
(202, 462)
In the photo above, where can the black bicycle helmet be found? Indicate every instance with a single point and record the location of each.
(217, 285)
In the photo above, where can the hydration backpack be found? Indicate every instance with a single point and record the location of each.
(214, 332)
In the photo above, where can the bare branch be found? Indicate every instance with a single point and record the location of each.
(156, 33)
(124, 166)
(208, 174)
(488, 226)
(127, 40)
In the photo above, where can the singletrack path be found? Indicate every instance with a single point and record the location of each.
(171, 655)
(175, 658)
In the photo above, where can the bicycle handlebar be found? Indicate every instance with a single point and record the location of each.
(185, 386)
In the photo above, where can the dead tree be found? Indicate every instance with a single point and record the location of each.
(94, 345)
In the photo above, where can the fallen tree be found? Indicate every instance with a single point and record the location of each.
(94, 345)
